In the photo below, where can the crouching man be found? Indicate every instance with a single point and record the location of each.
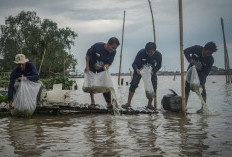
(25, 69)
(146, 56)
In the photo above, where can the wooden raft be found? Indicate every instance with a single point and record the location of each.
(83, 108)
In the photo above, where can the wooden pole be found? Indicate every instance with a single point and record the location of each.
(226, 57)
(153, 23)
(119, 73)
(182, 58)
(42, 60)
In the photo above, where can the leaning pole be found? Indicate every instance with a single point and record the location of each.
(153, 23)
(182, 58)
(120, 64)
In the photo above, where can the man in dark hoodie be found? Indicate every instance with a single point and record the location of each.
(202, 58)
(24, 70)
(146, 56)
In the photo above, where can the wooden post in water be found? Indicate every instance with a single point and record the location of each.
(226, 57)
(182, 58)
(119, 73)
(42, 60)
(153, 24)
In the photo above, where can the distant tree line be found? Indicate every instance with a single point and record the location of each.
(26, 33)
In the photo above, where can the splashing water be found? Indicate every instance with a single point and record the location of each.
(206, 111)
(114, 103)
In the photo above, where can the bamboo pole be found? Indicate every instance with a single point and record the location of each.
(182, 58)
(226, 57)
(153, 21)
(119, 73)
(153, 24)
(42, 60)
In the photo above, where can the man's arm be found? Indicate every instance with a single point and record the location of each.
(87, 64)
(158, 66)
(205, 72)
(110, 61)
(11, 88)
(35, 76)
(188, 53)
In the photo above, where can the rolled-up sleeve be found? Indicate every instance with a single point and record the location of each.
(111, 59)
(189, 51)
(137, 61)
(11, 85)
(159, 64)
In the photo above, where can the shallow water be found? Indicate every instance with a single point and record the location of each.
(162, 134)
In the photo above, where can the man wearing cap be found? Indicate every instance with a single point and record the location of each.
(98, 58)
(202, 58)
(25, 69)
(146, 56)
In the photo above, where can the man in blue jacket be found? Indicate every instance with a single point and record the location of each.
(24, 70)
(98, 58)
(202, 58)
(148, 56)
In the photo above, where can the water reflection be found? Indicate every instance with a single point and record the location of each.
(102, 137)
(23, 136)
(143, 129)
(185, 136)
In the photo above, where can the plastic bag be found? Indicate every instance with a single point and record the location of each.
(193, 79)
(146, 76)
(97, 83)
(25, 99)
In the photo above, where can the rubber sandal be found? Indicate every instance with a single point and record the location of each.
(92, 106)
(126, 106)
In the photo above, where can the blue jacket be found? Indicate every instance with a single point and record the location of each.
(30, 72)
(155, 61)
(195, 53)
(100, 56)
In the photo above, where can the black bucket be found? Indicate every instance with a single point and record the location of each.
(172, 102)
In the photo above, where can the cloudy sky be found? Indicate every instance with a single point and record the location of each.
(98, 20)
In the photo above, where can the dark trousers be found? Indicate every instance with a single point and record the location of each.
(187, 89)
(107, 97)
(136, 79)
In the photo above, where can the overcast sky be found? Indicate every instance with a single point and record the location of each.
(98, 20)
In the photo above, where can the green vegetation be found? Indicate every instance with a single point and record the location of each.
(4, 98)
(26, 33)
(4, 82)
(66, 84)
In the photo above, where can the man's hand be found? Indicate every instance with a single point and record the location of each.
(86, 69)
(152, 73)
(138, 72)
(22, 78)
(106, 66)
(11, 106)
(191, 61)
